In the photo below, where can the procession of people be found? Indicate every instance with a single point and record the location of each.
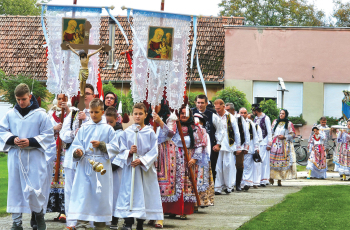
(166, 164)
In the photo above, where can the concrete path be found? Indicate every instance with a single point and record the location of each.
(230, 211)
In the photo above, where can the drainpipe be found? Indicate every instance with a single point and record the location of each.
(111, 24)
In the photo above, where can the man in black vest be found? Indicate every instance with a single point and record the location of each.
(213, 127)
(244, 133)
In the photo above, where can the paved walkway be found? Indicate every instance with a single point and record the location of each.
(230, 211)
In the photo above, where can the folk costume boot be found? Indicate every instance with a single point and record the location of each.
(33, 222)
(39, 217)
(114, 223)
(239, 175)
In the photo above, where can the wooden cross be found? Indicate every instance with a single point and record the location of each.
(85, 46)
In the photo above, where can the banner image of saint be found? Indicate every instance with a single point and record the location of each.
(160, 41)
(73, 30)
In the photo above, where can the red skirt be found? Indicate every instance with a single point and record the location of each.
(179, 207)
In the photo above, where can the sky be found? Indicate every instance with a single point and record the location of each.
(192, 7)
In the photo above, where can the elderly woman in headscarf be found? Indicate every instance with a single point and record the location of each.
(282, 155)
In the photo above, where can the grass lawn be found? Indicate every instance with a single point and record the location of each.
(301, 168)
(3, 185)
(314, 207)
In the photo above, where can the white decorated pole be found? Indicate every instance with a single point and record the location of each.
(137, 129)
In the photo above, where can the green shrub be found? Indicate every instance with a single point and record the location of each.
(9, 83)
(269, 107)
(297, 120)
(330, 121)
(233, 95)
(127, 101)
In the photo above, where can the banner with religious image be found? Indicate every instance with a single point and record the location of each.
(160, 48)
(65, 26)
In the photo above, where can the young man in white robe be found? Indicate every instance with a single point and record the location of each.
(92, 191)
(247, 181)
(146, 198)
(225, 168)
(265, 124)
(26, 132)
(68, 132)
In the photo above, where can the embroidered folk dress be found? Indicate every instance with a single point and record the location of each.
(282, 155)
(317, 162)
(168, 167)
(56, 198)
(344, 153)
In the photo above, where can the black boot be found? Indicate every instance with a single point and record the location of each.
(39, 217)
(33, 222)
(239, 175)
(128, 222)
(114, 223)
(17, 227)
(139, 225)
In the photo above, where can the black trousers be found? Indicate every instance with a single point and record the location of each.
(213, 159)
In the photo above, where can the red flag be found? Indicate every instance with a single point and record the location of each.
(99, 87)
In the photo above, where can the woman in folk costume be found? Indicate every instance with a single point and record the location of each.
(196, 141)
(282, 155)
(344, 152)
(317, 163)
(56, 198)
(205, 181)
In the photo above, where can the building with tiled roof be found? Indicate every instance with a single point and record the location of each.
(21, 50)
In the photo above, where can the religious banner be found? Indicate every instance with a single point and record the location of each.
(160, 48)
(66, 24)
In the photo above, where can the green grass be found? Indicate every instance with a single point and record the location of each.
(3, 185)
(301, 168)
(314, 207)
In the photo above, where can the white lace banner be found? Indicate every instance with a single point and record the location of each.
(67, 64)
(151, 76)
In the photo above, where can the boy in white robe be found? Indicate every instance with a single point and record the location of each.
(92, 192)
(117, 165)
(147, 202)
(26, 132)
(68, 132)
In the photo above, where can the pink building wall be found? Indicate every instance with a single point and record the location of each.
(265, 53)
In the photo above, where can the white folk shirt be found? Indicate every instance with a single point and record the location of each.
(219, 134)
(253, 143)
(225, 146)
(245, 130)
(268, 138)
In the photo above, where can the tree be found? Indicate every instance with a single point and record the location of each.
(8, 84)
(274, 12)
(342, 13)
(127, 101)
(19, 7)
(269, 107)
(233, 95)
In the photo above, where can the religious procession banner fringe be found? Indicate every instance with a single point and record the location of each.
(160, 47)
(63, 65)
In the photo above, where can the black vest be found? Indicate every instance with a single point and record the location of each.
(209, 125)
(241, 130)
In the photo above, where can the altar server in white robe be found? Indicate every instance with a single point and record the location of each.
(26, 132)
(68, 132)
(117, 164)
(147, 202)
(247, 180)
(225, 166)
(92, 192)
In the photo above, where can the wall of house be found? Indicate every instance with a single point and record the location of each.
(314, 58)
